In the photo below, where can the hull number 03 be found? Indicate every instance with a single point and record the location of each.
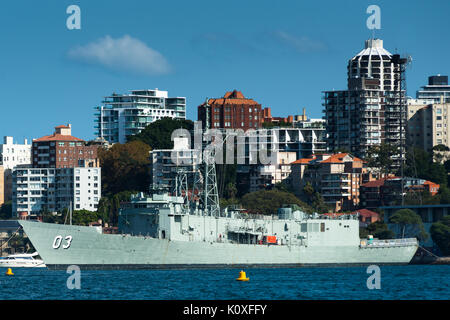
(59, 239)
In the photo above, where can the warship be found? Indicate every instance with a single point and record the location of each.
(186, 228)
(158, 232)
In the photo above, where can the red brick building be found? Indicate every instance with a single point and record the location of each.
(233, 111)
(62, 150)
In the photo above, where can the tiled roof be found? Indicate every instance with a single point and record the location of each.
(334, 158)
(235, 94)
(365, 213)
(58, 137)
(377, 183)
(233, 97)
(300, 161)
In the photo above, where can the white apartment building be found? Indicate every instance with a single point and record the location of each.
(123, 115)
(11, 155)
(53, 189)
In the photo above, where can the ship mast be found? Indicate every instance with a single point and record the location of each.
(211, 204)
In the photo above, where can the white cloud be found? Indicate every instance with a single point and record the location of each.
(301, 44)
(124, 54)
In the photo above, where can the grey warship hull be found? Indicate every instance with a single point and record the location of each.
(64, 245)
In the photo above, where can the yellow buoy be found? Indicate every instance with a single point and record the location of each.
(9, 272)
(242, 277)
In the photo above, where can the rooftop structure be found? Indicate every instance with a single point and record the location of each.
(437, 90)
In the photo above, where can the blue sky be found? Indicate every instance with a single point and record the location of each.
(282, 53)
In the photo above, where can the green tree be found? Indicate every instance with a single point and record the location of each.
(410, 223)
(447, 165)
(51, 217)
(158, 134)
(419, 198)
(125, 167)
(281, 124)
(268, 201)
(226, 174)
(84, 217)
(109, 206)
(6, 210)
(378, 229)
(381, 157)
(444, 195)
(231, 190)
(314, 199)
(419, 163)
(440, 233)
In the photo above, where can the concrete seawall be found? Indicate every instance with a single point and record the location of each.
(442, 260)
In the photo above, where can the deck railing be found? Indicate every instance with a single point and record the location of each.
(389, 242)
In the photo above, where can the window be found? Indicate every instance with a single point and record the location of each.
(61, 144)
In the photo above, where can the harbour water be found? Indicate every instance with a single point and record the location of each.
(397, 282)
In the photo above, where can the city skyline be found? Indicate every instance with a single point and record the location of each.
(282, 57)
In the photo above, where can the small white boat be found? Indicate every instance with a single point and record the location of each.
(23, 260)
